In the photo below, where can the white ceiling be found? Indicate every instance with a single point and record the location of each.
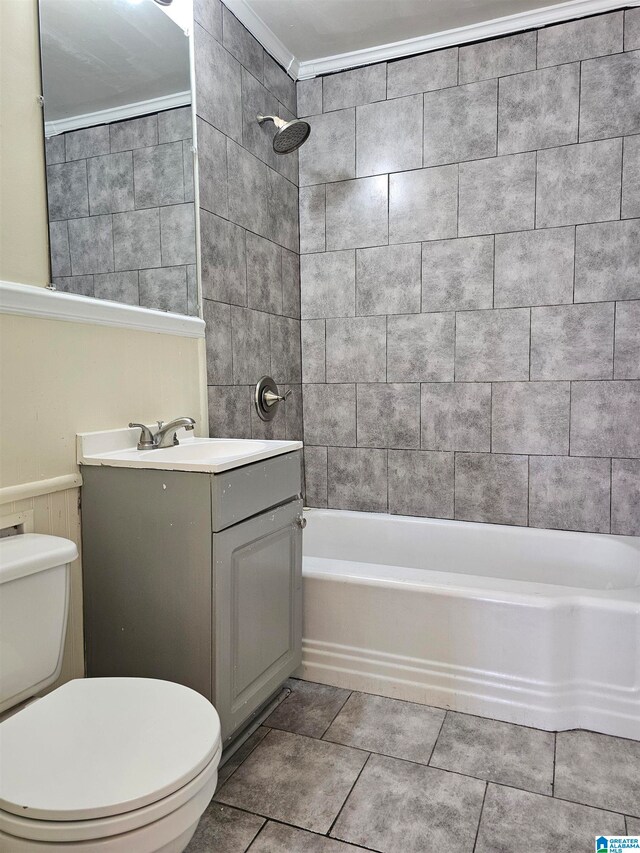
(103, 54)
(312, 29)
(311, 37)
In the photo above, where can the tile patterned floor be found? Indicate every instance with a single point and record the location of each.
(332, 771)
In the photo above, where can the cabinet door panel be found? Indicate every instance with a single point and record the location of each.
(258, 585)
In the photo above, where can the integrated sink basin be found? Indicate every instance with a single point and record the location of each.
(118, 448)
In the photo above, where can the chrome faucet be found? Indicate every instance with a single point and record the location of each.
(163, 437)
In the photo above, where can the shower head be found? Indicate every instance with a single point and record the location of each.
(289, 134)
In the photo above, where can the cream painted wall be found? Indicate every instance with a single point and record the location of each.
(24, 249)
(58, 378)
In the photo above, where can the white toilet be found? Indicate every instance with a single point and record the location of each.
(99, 764)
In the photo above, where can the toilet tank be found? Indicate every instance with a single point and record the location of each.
(34, 600)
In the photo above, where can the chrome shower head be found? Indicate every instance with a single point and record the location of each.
(290, 135)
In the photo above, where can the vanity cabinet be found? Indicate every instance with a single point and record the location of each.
(196, 578)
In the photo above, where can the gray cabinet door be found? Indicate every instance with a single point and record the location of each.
(258, 615)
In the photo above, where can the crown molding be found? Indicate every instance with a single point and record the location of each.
(306, 69)
(30, 301)
(138, 108)
(265, 35)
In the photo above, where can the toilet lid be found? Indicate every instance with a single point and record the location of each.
(97, 747)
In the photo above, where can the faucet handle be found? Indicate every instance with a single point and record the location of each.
(146, 436)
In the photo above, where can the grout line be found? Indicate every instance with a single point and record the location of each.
(337, 713)
(484, 797)
(335, 820)
(435, 743)
(553, 777)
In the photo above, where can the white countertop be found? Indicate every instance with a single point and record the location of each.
(118, 448)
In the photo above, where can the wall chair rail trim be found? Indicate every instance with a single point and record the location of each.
(37, 488)
(30, 301)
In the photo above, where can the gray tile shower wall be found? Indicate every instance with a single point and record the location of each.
(470, 281)
(248, 228)
(121, 213)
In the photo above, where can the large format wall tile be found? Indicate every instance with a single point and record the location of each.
(212, 166)
(422, 73)
(421, 483)
(579, 183)
(605, 419)
(229, 411)
(632, 29)
(539, 109)
(328, 285)
(497, 194)
(251, 351)
(631, 177)
(158, 175)
(492, 346)
(329, 154)
(223, 254)
(460, 123)
(67, 190)
(389, 136)
(388, 279)
(572, 342)
(313, 350)
(423, 204)
(177, 230)
(569, 493)
(357, 213)
(420, 347)
(498, 57)
(625, 497)
(315, 475)
(352, 88)
(264, 274)
(247, 178)
(241, 44)
(627, 343)
(530, 417)
(279, 83)
(118, 287)
(282, 211)
(388, 415)
(164, 289)
(133, 133)
(92, 242)
(110, 182)
(457, 274)
(356, 349)
(357, 478)
(580, 39)
(174, 125)
(330, 414)
(491, 487)
(312, 218)
(286, 367)
(608, 261)
(87, 142)
(309, 96)
(534, 267)
(218, 84)
(456, 416)
(59, 248)
(610, 96)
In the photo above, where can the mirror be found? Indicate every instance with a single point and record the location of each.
(119, 153)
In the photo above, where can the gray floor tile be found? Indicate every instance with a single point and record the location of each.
(548, 825)
(277, 838)
(495, 751)
(598, 770)
(400, 807)
(388, 726)
(309, 709)
(295, 779)
(240, 754)
(633, 826)
(224, 830)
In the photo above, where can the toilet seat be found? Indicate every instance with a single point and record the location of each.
(123, 753)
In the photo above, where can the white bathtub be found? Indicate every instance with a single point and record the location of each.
(537, 627)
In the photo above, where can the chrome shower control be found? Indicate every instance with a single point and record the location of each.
(267, 397)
